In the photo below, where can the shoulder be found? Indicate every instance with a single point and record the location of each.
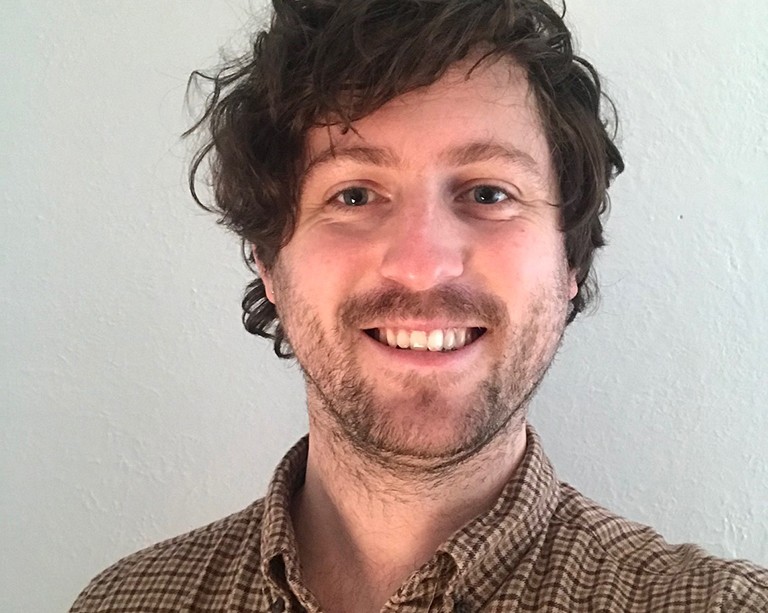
(173, 574)
(640, 566)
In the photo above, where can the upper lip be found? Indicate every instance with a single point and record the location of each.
(422, 325)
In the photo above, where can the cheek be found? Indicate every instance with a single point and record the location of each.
(336, 252)
(325, 268)
(522, 259)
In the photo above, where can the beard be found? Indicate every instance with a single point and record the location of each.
(413, 421)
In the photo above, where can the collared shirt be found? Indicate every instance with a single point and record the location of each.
(542, 547)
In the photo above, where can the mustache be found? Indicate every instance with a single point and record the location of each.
(447, 302)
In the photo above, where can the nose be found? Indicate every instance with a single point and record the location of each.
(425, 246)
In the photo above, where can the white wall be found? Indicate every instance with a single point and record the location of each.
(134, 407)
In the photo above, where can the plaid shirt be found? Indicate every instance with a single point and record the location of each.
(542, 547)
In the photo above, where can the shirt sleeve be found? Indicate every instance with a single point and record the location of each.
(748, 589)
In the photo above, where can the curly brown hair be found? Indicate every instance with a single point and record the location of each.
(337, 61)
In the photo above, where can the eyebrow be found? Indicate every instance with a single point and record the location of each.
(463, 155)
(484, 151)
(374, 156)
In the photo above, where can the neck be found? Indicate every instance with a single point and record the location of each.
(377, 525)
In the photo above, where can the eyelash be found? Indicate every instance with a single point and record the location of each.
(335, 199)
(504, 202)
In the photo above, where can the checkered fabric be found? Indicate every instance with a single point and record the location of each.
(542, 547)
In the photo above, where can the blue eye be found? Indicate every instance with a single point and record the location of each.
(353, 196)
(487, 194)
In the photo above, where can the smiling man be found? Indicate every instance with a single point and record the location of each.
(420, 185)
(425, 287)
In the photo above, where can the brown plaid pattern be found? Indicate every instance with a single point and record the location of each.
(542, 547)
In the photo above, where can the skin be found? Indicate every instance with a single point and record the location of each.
(406, 446)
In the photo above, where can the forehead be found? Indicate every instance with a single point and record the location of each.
(487, 104)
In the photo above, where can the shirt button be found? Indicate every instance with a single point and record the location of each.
(278, 606)
(460, 607)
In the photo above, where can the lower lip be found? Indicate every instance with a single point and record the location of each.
(427, 359)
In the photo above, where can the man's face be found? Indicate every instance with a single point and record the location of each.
(429, 226)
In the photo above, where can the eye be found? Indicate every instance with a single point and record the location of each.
(353, 196)
(487, 194)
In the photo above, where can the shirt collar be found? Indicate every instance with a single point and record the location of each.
(279, 553)
(489, 547)
(483, 552)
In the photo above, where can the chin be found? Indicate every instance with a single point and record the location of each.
(433, 429)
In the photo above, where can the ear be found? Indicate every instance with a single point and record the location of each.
(266, 277)
(573, 284)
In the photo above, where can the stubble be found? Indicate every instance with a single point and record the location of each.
(394, 432)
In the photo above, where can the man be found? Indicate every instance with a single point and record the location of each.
(420, 185)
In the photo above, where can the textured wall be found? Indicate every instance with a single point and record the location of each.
(133, 405)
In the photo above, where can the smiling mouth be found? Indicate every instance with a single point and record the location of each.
(441, 340)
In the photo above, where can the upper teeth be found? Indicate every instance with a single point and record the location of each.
(421, 340)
